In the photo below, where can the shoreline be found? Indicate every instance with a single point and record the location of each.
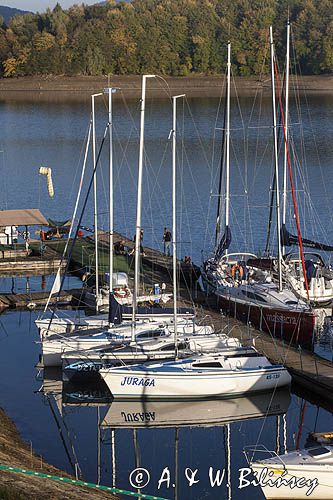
(62, 88)
(14, 452)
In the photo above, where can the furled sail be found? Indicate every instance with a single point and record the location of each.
(115, 310)
(288, 240)
(224, 243)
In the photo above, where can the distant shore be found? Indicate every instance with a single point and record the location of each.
(81, 87)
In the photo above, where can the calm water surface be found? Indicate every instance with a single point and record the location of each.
(53, 134)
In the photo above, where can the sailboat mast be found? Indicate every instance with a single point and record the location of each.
(174, 220)
(139, 202)
(219, 198)
(110, 192)
(110, 91)
(284, 201)
(227, 191)
(276, 162)
(95, 193)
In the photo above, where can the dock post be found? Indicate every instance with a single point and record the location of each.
(315, 360)
(300, 356)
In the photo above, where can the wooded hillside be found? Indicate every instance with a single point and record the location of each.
(170, 37)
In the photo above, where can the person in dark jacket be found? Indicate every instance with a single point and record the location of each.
(167, 237)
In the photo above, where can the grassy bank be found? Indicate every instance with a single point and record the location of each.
(15, 453)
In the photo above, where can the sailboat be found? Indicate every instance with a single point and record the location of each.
(56, 345)
(59, 323)
(244, 288)
(299, 474)
(316, 284)
(86, 365)
(221, 374)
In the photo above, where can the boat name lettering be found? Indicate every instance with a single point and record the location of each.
(147, 382)
(148, 416)
(281, 318)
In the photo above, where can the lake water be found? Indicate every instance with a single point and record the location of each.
(53, 134)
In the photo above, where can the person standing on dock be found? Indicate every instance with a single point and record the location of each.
(141, 247)
(167, 237)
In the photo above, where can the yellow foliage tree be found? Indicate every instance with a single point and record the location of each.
(43, 41)
(10, 66)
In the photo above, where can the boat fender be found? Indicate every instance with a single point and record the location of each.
(122, 294)
(237, 272)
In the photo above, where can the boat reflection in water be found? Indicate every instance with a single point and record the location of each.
(88, 394)
(205, 413)
(132, 414)
(127, 429)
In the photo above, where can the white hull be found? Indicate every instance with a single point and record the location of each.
(149, 382)
(53, 348)
(90, 362)
(65, 325)
(320, 291)
(323, 473)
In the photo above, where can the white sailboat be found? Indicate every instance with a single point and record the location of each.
(319, 276)
(61, 322)
(54, 346)
(299, 474)
(87, 364)
(198, 377)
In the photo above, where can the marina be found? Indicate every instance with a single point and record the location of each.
(187, 349)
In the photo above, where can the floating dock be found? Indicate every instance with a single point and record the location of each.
(15, 261)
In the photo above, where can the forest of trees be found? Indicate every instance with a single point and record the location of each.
(171, 37)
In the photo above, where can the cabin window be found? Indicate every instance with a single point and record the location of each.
(167, 347)
(254, 296)
(150, 333)
(319, 452)
(211, 364)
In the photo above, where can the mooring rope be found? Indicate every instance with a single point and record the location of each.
(79, 483)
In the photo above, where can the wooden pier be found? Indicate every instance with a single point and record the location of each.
(313, 373)
(34, 300)
(18, 261)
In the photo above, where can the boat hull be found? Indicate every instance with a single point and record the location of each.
(145, 384)
(321, 473)
(294, 327)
